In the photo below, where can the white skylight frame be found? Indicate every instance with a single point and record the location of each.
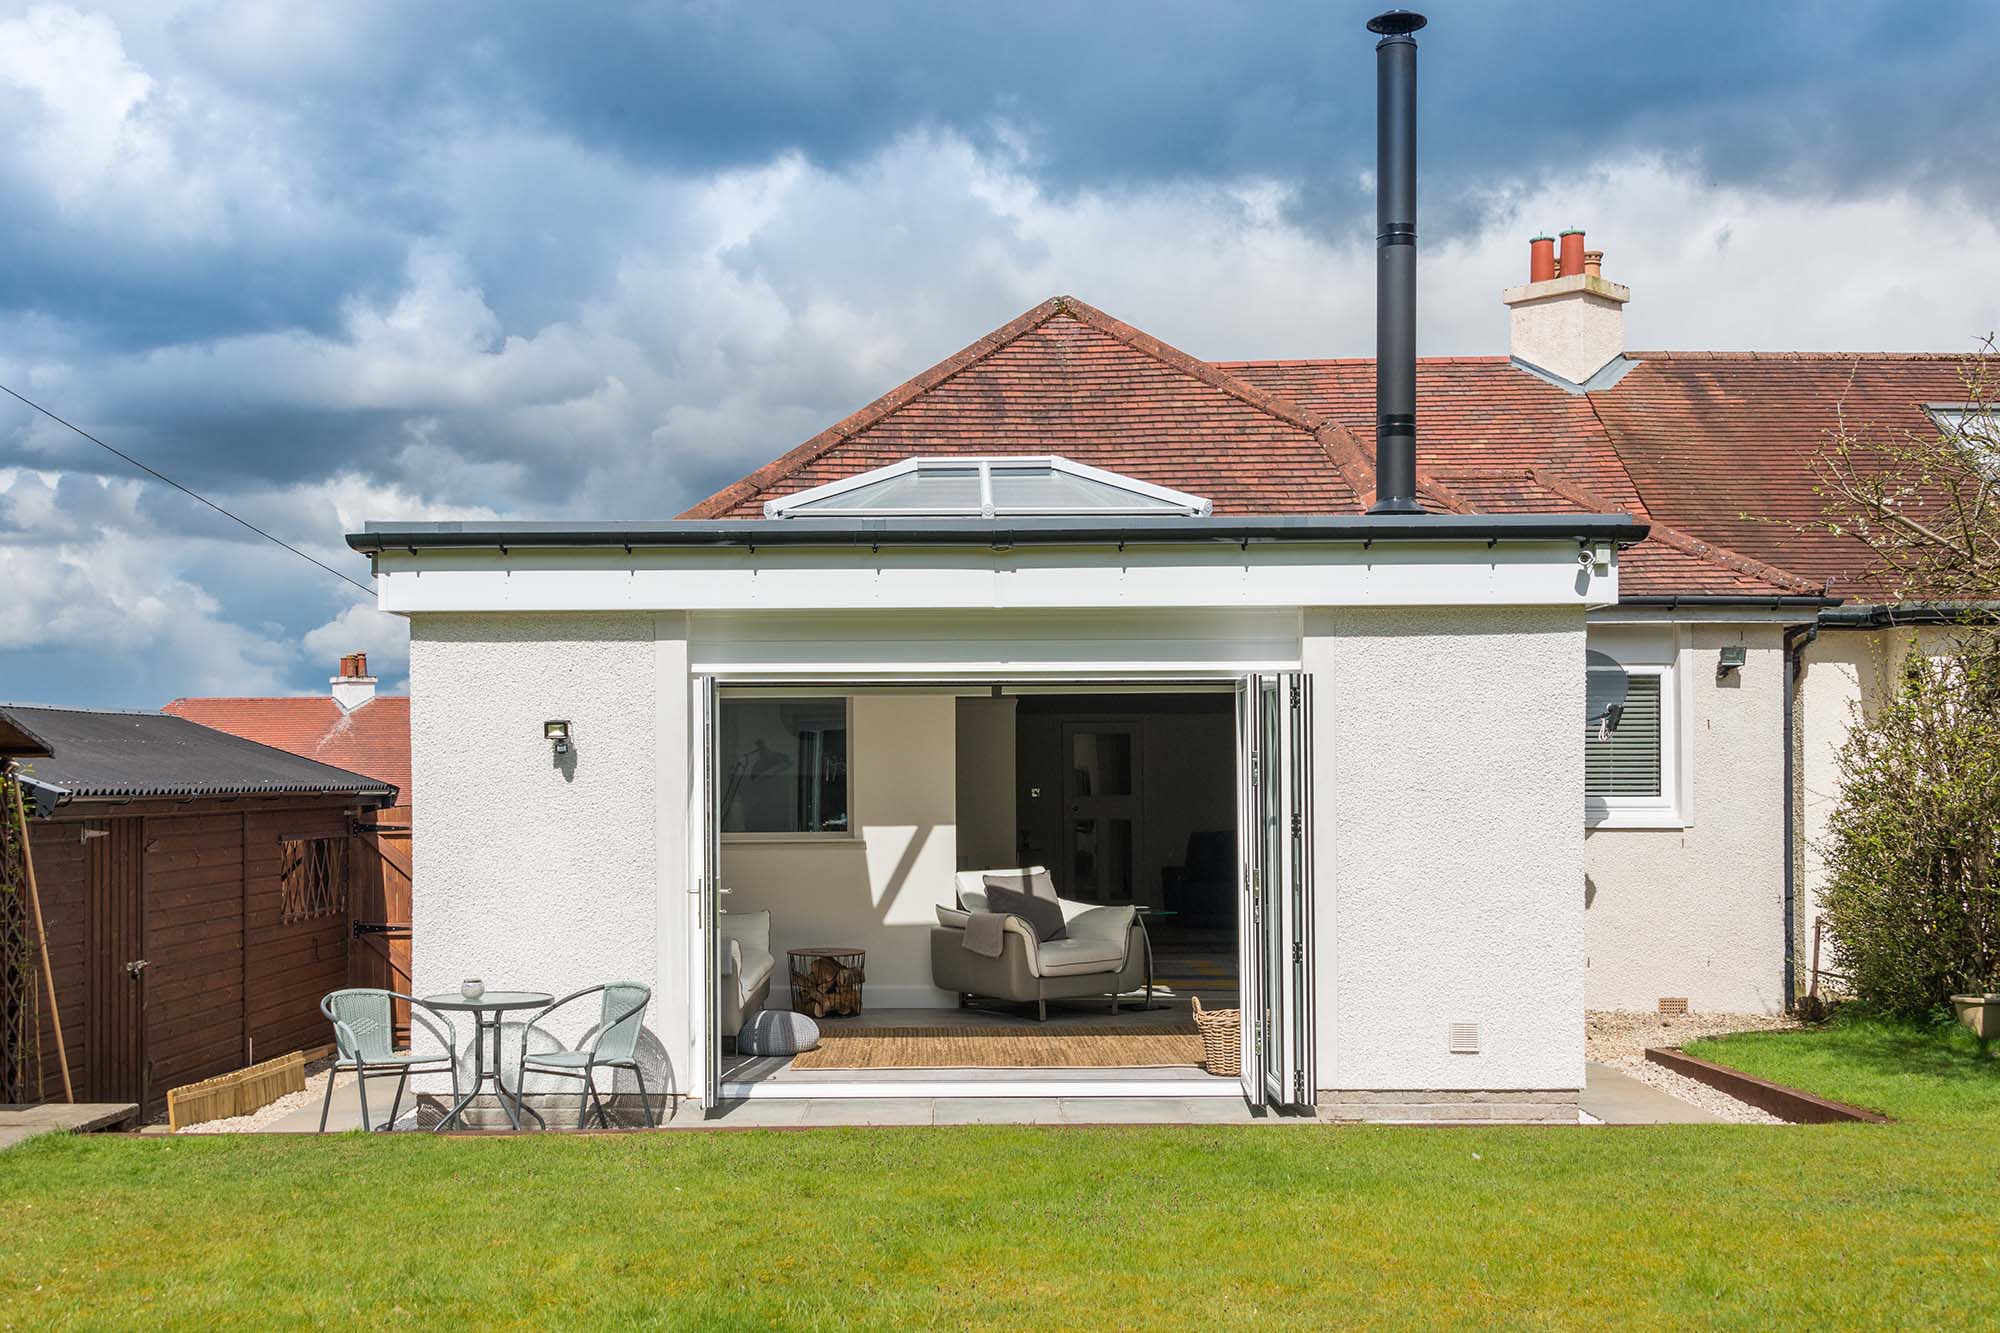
(1159, 501)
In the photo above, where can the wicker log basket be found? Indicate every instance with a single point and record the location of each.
(1221, 1039)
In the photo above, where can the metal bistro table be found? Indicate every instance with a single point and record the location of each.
(496, 1003)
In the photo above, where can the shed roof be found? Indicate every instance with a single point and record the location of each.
(109, 754)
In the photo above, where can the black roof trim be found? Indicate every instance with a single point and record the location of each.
(1672, 600)
(1881, 615)
(1175, 530)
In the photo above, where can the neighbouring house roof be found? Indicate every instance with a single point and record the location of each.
(1719, 442)
(106, 754)
(373, 738)
(1709, 449)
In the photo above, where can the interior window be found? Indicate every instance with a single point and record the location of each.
(784, 765)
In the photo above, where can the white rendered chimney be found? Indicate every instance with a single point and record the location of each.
(1566, 319)
(353, 687)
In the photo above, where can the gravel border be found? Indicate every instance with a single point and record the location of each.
(1619, 1038)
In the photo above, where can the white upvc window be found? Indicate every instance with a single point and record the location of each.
(1631, 734)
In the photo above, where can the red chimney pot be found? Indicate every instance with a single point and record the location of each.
(1541, 259)
(1571, 262)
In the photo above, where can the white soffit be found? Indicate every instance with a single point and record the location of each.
(1033, 486)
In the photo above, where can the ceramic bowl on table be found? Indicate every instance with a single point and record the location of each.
(472, 989)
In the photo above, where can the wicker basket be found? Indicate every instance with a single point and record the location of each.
(1221, 1039)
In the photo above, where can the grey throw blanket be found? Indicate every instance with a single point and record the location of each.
(986, 933)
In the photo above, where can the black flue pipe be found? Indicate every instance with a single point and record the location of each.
(1396, 262)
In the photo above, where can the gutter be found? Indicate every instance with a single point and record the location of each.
(1002, 533)
(1733, 599)
(1882, 615)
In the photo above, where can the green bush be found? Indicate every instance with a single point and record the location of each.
(1913, 902)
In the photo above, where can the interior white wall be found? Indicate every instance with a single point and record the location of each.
(533, 871)
(1448, 856)
(985, 769)
(1698, 911)
(878, 890)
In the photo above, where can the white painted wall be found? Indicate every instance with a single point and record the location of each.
(880, 889)
(532, 872)
(1845, 673)
(1449, 846)
(1697, 911)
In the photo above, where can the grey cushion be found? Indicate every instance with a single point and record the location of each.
(1034, 879)
(1043, 915)
(777, 1032)
(952, 918)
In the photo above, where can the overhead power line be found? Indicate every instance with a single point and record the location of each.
(196, 495)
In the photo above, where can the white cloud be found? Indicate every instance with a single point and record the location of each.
(573, 332)
(363, 629)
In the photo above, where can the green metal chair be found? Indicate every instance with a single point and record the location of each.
(364, 1037)
(613, 1045)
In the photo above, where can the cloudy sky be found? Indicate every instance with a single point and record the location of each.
(327, 263)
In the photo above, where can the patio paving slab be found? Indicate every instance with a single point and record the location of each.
(19, 1122)
(1616, 1098)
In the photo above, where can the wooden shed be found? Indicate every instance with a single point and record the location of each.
(197, 890)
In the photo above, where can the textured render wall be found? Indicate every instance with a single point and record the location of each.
(1699, 911)
(1448, 846)
(1571, 334)
(881, 890)
(530, 873)
(1844, 671)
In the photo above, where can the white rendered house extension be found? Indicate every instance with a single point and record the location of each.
(1432, 903)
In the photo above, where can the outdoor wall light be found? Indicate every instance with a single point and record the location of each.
(1732, 659)
(557, 734)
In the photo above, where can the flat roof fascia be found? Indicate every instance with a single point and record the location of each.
(1172, 529)
(1492, 572)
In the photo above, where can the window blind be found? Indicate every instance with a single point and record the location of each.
(1626, 761)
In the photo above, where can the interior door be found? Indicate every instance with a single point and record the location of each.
(1274, 717)
(1101, 810)
(707, 892)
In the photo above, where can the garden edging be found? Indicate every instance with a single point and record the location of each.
(1790, 1104)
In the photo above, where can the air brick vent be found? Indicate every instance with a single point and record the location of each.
(1673, 1004)
(1465, 1038)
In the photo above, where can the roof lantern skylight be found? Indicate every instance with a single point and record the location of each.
(1044, 486)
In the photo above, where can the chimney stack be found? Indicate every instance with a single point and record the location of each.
(1566, 320)
(1396, 262)
(353, 687)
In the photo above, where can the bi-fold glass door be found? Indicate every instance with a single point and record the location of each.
(1274, 729)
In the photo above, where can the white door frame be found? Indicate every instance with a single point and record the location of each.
(708, 889)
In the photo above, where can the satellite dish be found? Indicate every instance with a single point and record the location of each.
(1605, 687)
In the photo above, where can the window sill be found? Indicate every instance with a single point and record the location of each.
(1614, 820)
(792, 840)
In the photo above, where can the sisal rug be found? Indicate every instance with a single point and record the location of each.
(1050, 1046)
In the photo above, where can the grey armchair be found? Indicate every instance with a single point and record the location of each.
(613, 1045)
(1105, 952)
(364, 1025)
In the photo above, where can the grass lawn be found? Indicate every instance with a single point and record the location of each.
(1844, 1226)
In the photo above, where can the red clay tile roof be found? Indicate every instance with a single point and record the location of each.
(373, 740)
(1690, 442)
(1718, 442)
(1067, 379)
